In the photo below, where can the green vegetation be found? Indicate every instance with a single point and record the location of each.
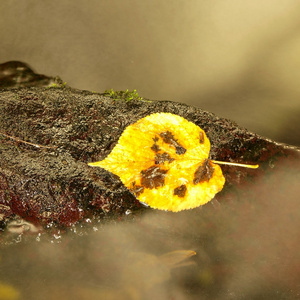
(123, 95)
(56, 85)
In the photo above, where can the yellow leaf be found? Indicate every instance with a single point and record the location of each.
(163, 160)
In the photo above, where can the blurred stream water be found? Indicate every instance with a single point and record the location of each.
(233, 249)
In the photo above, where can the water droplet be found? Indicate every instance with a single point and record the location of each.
(38, 237)
(56, 236)
(18, 239)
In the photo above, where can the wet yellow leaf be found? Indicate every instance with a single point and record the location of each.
(177, 258)
(163, 160)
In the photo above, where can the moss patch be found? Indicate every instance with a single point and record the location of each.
(123, 95)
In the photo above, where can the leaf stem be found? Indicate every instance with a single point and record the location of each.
(235, 164)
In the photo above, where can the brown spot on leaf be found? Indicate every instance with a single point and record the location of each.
(161, 158)
(180, 191)
(169, 138)
(155, 148)
(204, 172)
(153, 177)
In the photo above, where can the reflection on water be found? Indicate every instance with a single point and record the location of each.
(114, 262)
(237, 249)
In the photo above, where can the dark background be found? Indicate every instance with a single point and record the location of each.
(238, 59)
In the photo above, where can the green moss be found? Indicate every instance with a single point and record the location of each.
(56, 85)
(123, 95)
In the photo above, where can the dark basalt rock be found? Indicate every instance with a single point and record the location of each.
(48, 135)
(15, 74)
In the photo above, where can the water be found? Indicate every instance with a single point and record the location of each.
(244, 249)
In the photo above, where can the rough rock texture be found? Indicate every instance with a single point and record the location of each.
(48, 134)
(53, 184)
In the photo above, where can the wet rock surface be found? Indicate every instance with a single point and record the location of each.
(14, 74)
(48, 135)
